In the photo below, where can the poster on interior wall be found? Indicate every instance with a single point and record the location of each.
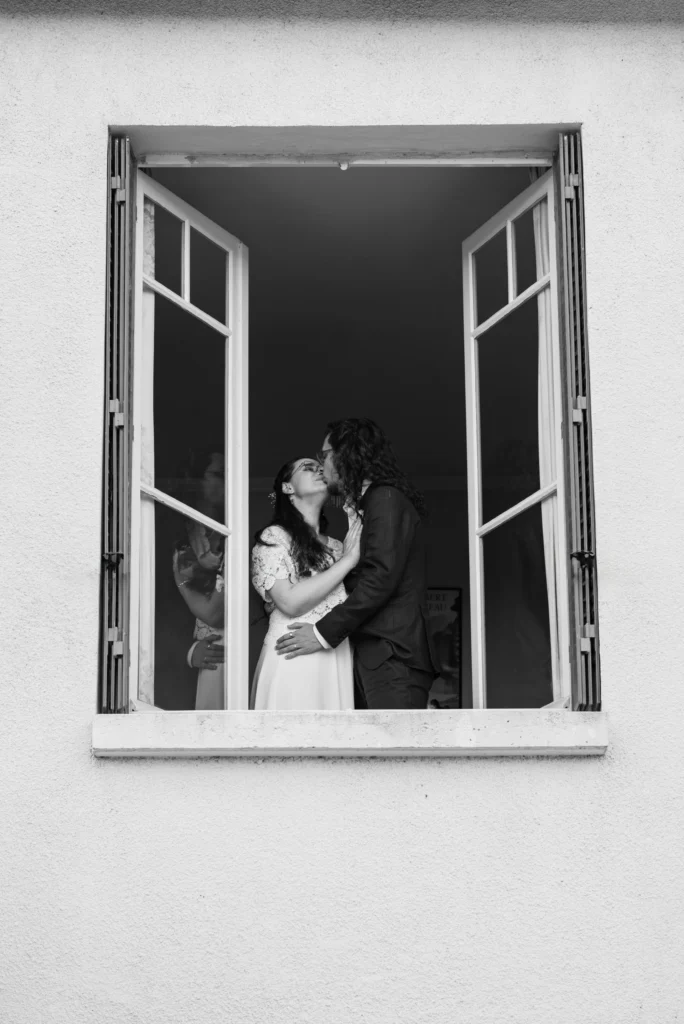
(444, 624)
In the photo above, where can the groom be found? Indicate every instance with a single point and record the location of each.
(384, 613)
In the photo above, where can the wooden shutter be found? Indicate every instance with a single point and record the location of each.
(113, 697)
(586, 687)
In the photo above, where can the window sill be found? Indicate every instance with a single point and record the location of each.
(467, 733)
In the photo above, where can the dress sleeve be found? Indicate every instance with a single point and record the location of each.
(271, 561)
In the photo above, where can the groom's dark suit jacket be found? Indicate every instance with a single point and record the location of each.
(384, 613)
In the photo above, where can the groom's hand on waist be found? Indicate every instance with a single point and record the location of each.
(300, 639)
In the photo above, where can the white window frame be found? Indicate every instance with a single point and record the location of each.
(552, 492)
(550, 731)
(236, 525)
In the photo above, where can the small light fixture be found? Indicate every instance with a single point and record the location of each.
(344, 164)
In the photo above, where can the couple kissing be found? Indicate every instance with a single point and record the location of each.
(346, 620)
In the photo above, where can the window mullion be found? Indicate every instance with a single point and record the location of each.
(185, 249)
(511, 262)
(472, 402)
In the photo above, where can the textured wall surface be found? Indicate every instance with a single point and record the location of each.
(162, 892)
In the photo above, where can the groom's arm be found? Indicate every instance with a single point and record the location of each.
(389, 526)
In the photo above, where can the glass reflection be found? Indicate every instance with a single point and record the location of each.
(208, 269)
(182, 607)
(162, 246)
(491, 277)
(525, 257)
(189, 404)
(508, 365)
(517, 638)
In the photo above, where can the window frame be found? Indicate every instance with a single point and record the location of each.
(549, 731)
(504, 220)
(236, 426)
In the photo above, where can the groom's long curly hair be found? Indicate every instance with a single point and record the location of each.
(362, 451)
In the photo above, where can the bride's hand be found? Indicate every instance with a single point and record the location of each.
(351, 550)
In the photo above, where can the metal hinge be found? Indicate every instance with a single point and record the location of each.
(571, 183)
(587, 638)
(578, 408)
(115, 408)
(585, 558)
(113, 637)
(119, 192)
(112, 558)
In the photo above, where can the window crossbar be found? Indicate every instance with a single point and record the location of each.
(183, 509)
(161, 289)
(534, 289)
(541, 495)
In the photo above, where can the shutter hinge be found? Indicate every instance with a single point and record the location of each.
(571, 183)
(113, 637)
(587, 639)
(112, 558)
(577, 409)
(585, 558)
(115, 409)
(119, 192)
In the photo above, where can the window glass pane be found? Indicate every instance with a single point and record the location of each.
(189, 404)
(509, 427)
(530, 264)
(163, 238)
(208, 266)
(182, 600)
(517, 639)
(491, 277)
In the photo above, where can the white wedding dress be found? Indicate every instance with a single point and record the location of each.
(323, 681)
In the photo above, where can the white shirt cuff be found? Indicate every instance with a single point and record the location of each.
(190, 653)
(324, 643)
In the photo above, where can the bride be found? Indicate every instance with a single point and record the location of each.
(298, 572)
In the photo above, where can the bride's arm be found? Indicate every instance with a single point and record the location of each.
(294, 599)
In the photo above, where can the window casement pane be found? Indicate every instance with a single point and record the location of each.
(518, 546)
(518, 641)
(113, 690)
(509, 422)
(163, 254)
(586, 687)
(189, 517)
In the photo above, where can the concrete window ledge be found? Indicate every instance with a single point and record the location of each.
(489, 733)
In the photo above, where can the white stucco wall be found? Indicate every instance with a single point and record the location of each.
(164, 892)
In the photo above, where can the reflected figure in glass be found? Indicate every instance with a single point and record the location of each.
(198, 569)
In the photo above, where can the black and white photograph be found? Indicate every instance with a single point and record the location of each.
(341, 400)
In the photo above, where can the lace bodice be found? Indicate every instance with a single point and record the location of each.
(273, 561)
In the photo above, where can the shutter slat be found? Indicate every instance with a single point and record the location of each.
(115, 531)
(586, 695)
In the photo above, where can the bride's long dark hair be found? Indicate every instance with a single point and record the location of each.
(308, 551)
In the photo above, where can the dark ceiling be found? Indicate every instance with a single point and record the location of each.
(355, 299)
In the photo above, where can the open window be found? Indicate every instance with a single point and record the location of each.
(189, 395)
(357, 308)
(516, 488)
